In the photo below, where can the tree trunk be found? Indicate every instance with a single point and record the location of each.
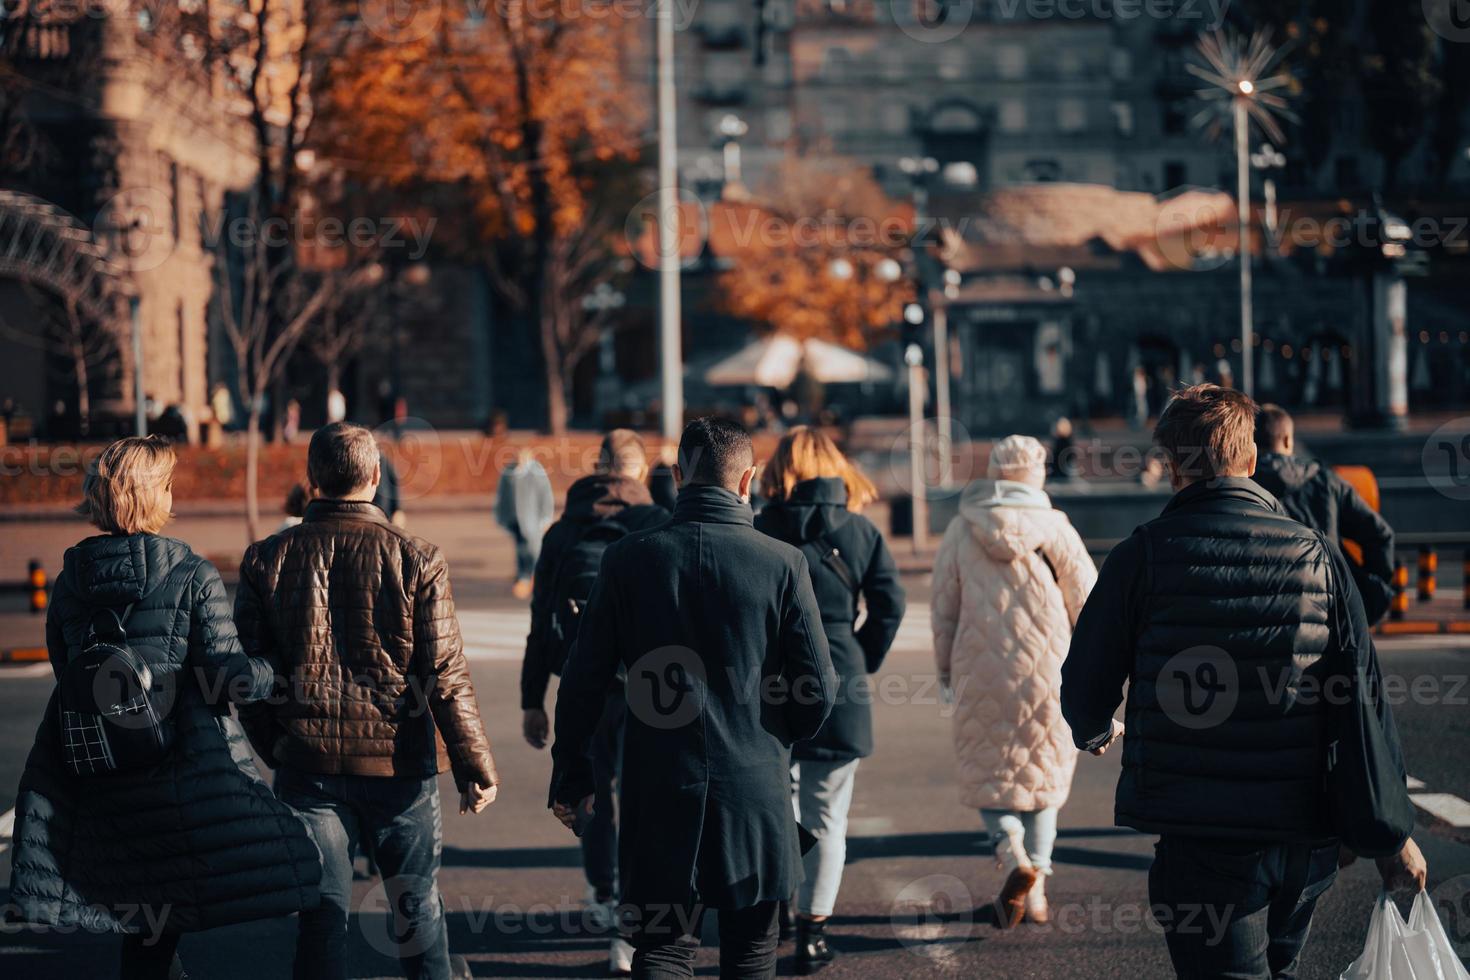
(84, 398)
(556, 393)
(252, 471)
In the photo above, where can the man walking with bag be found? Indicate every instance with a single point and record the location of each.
(602, 508)
(358, 619)
(727, 664)
(1251, 673)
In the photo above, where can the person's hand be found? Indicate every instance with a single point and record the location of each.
(1117, 733)
(1405, 869)
(477, 797)
(568, 815)
(535, 726)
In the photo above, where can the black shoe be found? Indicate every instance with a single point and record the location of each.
(812, 951)
(787, 922)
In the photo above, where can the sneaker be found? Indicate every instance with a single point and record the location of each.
(1037, 909)
(459, 969)
(1010, 904)
(521, 589)
(620, 958)
(812, 951)
(601, 914)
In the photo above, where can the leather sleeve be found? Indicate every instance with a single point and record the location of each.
(439, 658)
(254, 637)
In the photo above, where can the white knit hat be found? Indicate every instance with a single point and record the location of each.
(1018, 458)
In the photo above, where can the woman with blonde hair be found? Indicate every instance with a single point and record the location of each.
(814, 494)
(1010, 578)
(107, 833)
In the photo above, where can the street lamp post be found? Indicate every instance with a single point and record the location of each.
(671, 354)
(1243, 207)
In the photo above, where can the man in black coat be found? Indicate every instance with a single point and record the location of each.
(1251, 673)
(727, 664)
(1317, 497)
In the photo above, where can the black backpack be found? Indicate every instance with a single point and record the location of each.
(112, 714)
(575, 575)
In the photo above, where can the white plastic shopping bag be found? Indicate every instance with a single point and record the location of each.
(1399, 950)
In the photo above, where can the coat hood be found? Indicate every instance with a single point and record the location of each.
(1008, 519)
(600, 496)
(1284, 475)
(814, 508)
(111, 569)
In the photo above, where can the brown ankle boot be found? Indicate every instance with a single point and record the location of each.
(1010, 905)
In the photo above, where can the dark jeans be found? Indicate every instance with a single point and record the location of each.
(600, 839)
(1237, 910)
(525, 560)
(400, 819)
(143, 958)
(665, 941)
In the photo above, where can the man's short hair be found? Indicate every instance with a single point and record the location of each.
(1206, 431)
(1273, 423)
(715, 451)
(622, 453)
(341, 459)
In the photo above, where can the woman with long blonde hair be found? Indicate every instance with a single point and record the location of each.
(102, 835)
(814, 494)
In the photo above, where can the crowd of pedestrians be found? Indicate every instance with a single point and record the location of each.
(709, 722)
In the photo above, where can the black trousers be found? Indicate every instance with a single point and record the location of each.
(1237, 910)
(665, 941)
(143, 958)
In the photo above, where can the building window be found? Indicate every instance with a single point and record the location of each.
(1010, 61)
(1122, 64)
(1069, 64)
(1071, 115)
(1176, 174)
(890, 63)
(952, 62)
(183, 355)
(778, 125)
(1175, 117)
(1013, 116)
(1347, 173)
(895, 118)
(1123, 118)
(836, 63)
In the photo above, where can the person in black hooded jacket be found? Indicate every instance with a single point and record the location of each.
(1320, 499)
(814, 493)
(140, 851)
(611, 503)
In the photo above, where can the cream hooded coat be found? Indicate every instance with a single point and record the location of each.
(1002, 624)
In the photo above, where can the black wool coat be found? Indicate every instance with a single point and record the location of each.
(727, 665)
(195, 842)
(815, 518)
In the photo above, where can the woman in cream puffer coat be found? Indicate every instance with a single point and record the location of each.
(1010, 578)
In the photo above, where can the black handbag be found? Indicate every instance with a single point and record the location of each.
(113, 717)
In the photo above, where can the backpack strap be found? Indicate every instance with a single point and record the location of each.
(833, 559)
(112, 626)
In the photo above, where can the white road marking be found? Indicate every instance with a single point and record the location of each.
(7, 829)
(1447, 807)
(25, 670)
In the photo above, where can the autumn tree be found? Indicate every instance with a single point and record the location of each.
(810, 253)
(524, 108)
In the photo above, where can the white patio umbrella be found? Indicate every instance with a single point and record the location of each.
(774, 362)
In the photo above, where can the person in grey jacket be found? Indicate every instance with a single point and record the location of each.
(524, 506)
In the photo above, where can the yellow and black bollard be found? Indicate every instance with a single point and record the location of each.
(1428, 566)
(37, 578)
(1400, 603)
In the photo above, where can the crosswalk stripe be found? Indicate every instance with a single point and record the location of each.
(1446, 806)
(7, 829)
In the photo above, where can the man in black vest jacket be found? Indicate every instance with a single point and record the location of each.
(1319, 498)
(720, 634)
(1251, 672)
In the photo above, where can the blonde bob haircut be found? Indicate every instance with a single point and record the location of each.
(122, 492)
(804, 454)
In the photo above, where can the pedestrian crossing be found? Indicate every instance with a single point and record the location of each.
(500, 634)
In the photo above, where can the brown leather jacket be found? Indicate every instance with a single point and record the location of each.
(358, 619)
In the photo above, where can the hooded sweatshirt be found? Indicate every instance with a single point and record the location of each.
(1010, 578)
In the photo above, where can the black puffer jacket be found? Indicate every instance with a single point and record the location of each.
(1236, 631)
(815, 519)
(199, 840)
(1319, 498)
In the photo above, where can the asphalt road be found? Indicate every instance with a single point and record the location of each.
(918, 863)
